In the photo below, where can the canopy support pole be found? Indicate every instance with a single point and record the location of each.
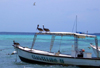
(35, 36)
(52, 42)
(96, 43)
(60, 43)
(76, 46)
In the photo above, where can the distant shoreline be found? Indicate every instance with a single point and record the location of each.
(17, 33)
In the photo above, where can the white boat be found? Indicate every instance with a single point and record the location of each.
(77, 57)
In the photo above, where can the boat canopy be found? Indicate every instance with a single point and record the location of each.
(67, 33)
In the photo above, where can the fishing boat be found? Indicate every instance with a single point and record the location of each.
(77, 57)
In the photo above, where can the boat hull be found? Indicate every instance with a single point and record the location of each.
(34, 61)
(32, 57)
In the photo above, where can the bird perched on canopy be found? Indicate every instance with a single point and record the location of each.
(46, 29)
(40, 29)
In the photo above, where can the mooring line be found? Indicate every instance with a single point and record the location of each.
(5, 49)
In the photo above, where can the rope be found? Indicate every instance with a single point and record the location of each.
(73, 25)
(5, 49)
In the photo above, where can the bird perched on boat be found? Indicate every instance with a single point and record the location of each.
(46, 29)
(40, 29)
(15, 43)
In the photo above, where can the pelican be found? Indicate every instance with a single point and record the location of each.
(15, 43)
(40, 29)
(46, 29)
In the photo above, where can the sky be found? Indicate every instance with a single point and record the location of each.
(56, 15)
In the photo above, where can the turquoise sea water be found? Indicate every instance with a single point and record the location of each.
(43, 43)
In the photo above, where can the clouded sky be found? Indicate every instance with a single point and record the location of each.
(57, 15)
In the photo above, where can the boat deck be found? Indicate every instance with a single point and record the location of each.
(43, 52)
